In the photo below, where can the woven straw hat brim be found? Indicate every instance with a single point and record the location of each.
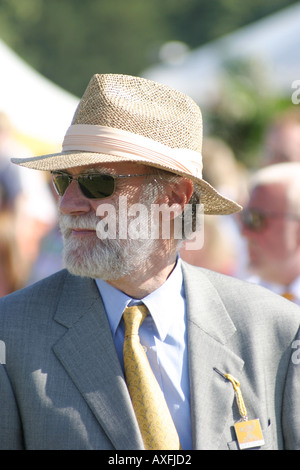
(214, 203)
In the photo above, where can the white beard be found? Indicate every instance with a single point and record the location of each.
(104, 259)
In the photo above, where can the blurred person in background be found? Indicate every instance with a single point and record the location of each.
(29, 197)
(10, 180)
(282, 138)
(270, 222)
(10, 269)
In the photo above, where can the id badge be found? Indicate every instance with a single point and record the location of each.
(249, 434)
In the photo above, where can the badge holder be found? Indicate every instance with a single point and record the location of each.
(248, 432)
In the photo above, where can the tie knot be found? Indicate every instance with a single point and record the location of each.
(133, 318)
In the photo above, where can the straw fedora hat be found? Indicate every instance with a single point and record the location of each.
(124, 118)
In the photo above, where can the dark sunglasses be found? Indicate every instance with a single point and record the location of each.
(256, 220)
(92, 186)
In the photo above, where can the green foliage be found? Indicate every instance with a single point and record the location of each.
(196, 22)
(245, 107)
(69, 40)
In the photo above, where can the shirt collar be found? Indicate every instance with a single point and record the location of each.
(162, 303)
(295, 287)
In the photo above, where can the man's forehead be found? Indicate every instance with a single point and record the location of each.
(268, 195)
(110, 168)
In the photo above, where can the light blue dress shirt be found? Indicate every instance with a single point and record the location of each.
(164, 337)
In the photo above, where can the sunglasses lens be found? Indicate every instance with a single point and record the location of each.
(253, 220)
(92, 186)
(60, 182)
(97, 186)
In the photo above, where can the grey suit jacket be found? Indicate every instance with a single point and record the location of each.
(62, 387)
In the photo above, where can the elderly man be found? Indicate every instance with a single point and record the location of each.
(129, 347)
(271, 225)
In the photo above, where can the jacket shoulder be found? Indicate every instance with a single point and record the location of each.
(36, 297)
(50, 282)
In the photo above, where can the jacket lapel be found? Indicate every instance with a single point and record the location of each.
(88, 354)
(209, 329)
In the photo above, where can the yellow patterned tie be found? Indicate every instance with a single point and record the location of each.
(153, 416)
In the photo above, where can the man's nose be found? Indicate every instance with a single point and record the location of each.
(73, 202)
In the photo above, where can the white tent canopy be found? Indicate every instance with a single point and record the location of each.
(274, 41)
(35, 106)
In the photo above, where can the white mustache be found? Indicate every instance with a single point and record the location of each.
(69, 222)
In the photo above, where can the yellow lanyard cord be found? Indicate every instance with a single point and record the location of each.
(239, 396)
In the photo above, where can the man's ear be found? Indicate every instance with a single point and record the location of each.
(181, 192)
(178, 194)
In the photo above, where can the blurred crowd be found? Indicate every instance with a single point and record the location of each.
(30, 245)
(260, 244)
